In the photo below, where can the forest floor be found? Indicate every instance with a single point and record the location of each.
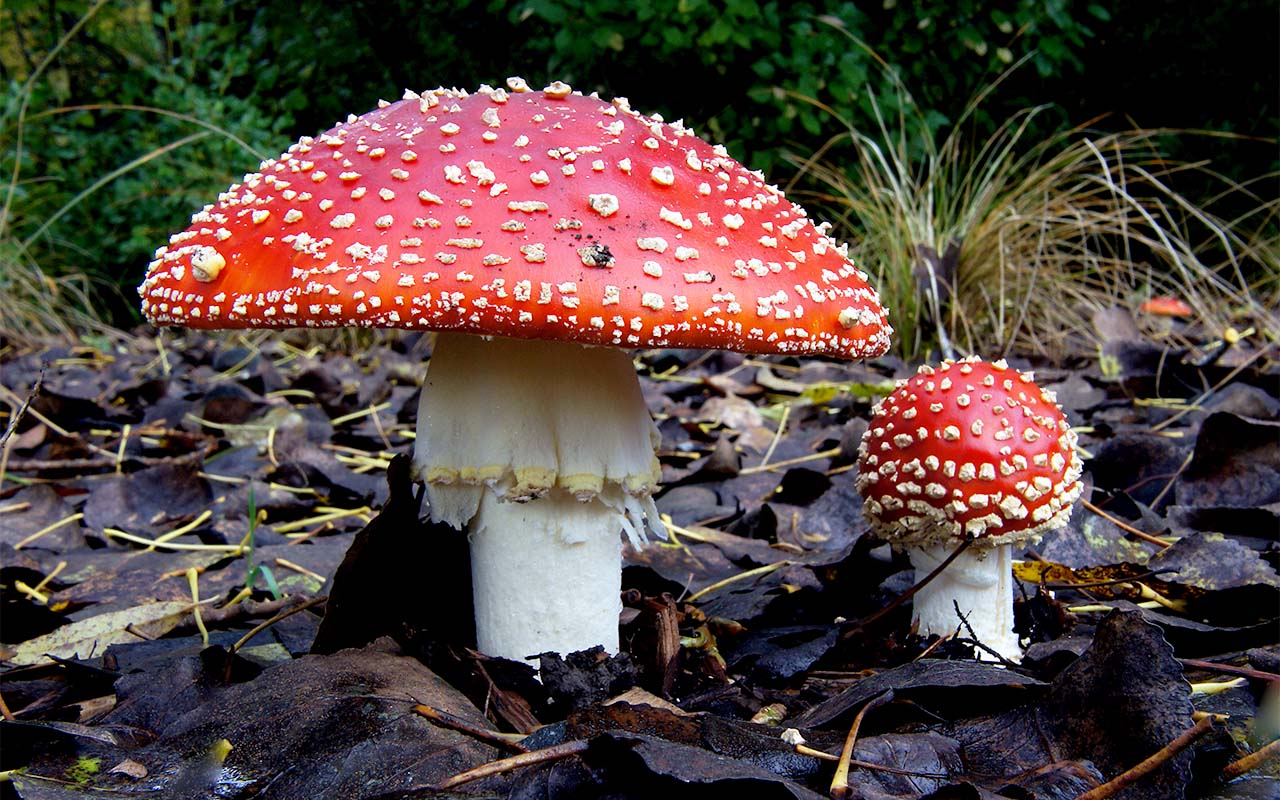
(173, 511)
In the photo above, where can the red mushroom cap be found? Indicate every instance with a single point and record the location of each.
(969, 449)
(528, 214)
(1167, 307)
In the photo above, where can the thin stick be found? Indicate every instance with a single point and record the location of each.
(840, 781)
(1230, 669)
(48, 529)
(1122, 525)
(233, 549)
(1151, 763)
(751, 573)
(1252, 761)
(330, 516)
(48, 579)
(502, 765)
(364, 412)
(299, 569)
(806, 750)
(1199, 401)
(1186, 462)
(35, 595)
(908, 594)
(459, 724)
(835, 451)
(777, 436)
(184, 529)
(262, 626)
(18, 411)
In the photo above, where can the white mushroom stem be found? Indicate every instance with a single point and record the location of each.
(979, 584)
(544, 452)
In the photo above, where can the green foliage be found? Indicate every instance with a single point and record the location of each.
(1012, 242)
(126, 130)
(757, 74)
(253, 569)
(152, 108)
(149, 109)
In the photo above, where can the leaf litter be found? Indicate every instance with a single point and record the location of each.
(216, 581)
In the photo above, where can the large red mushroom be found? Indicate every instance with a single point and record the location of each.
(539, 232)
(972, 451)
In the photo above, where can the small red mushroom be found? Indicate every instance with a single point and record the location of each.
(968, 450)
(538, 231)
(1166, 306)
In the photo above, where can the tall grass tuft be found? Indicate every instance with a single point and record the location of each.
(89, 189)
(1011, 243)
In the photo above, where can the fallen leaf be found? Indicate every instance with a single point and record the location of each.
(91, 636)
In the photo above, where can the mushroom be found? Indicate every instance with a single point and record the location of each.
(539, 233)
(968, 451)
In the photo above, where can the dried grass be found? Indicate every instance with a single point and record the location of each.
(1042, 234)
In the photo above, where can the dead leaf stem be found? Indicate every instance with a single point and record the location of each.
(1150, 764)
(857, 625)
(504, 765)
(454, 722)
(840, 781)
(1124, 526)
(267, 623)
(1252, 761)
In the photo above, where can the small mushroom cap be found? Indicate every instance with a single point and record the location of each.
(969, 449)
(535, 214)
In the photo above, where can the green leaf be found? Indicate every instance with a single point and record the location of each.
(270, 578)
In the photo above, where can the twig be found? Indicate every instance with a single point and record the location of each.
(751, 573)
(262, 626)
(1186, 462)
(840, 781)
(1199, 401)
(1151, 763)
(502, 765)
(765, 467)
(48, 529)
(287, 564)
(777, 436)
(1230, 669)
(18, 412)
(1124, 526)
(976, 642)
(114, 533)
(459, 724)
(806, 750)
(908, 594)
(1252, 761)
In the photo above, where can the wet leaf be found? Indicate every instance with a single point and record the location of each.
(647, 764)
(91, 636)
(953, 685)
(775, 654)
(147, 502)
(1236, 463)
(40, 508)
(330, 726)
(1212, 561)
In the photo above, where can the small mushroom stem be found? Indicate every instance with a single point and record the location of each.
(544, 453)
(979, 582)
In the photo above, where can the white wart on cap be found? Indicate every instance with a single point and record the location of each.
(518, 213)
(969, 449)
